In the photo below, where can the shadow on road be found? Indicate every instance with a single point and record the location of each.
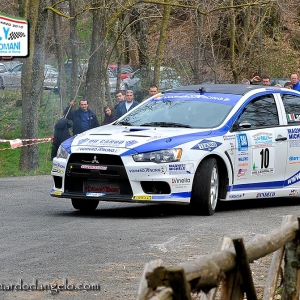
(142, 211)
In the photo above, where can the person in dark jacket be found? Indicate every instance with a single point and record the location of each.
(109, 115)
(61, 133)
(126, 105)
(83, 118)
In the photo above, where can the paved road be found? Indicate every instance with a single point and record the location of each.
(45, 241)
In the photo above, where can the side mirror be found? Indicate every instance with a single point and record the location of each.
(245, 124)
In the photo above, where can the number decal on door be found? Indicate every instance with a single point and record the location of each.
(263, 161)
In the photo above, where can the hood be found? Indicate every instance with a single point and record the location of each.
(137, 139)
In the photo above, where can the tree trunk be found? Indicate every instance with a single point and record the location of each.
(161, 41)
(32, 80)
(74, 50)
(59, 52)
(97, 68)
(141, 26)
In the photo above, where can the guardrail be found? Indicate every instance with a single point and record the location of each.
(228, 270)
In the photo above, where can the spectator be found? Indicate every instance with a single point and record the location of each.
(109, 112)
(266, 80)
(256, 79)
(295, 82)
(153, 90)
(245, 81)
(126, 105)
(288, 85)
(83, 118)
(120, 95)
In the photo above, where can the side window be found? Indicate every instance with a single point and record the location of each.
(292, 108)
(260, 112)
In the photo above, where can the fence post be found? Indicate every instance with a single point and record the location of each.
(271, 282)
(291, 281)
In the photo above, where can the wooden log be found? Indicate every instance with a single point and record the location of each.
(143, 289)
(244, 269)
(231, 286)
(275, 267)
(177, 281)
(256, 248)
(224, 243)
(165, 294)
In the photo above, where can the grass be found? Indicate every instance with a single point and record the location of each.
(10, 129)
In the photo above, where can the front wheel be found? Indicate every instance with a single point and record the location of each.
(205, 189)
(85, 205)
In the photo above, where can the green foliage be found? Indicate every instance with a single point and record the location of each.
(10, 128)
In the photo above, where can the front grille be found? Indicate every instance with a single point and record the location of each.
(96, 170)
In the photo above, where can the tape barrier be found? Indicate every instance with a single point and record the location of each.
(28, 142)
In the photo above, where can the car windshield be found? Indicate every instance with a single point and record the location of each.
(178, 111)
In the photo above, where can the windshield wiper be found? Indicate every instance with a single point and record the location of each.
(166, 124)
(123, 123)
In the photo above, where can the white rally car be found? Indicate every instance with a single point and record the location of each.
(191, 145)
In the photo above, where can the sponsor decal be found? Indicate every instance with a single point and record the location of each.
(57, 170)
(98, 149)
(263, 171)
(236, 196)
(294, 137)
(58, 165)
(93, 167)
(263, 138)
(265, 195)
(101, 189)
(243, 165)
(241, 172)
(142, 197)
(181, 169)
(181, 180)
(294, 193)
(293, 179)
(293, 117)
(294, 159)
(229, 137)
(244, 158)
(242, 141)
(94, 194)
(97, 142)
(130, 143)
(149, 170)
(207, 145)
(57, 192)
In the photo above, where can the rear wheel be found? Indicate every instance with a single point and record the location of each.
(85, 205)
(205, 189)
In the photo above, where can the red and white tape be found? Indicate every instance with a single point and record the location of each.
(28, 142)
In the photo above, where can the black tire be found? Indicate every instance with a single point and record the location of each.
(85, 205)
(205, 191)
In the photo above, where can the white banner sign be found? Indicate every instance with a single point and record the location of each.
(13, 36)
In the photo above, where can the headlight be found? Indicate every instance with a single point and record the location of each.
(161, 156)
(62, 153)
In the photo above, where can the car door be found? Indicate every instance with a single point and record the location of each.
(292, 109)
(261, 146)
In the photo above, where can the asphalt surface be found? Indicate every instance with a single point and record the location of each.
(45, 241)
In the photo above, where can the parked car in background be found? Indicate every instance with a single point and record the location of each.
(7, 65)
(280, 81)
(113, 82)
(126, 70)
(169, 78)
(11, 79)
(193, 145)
